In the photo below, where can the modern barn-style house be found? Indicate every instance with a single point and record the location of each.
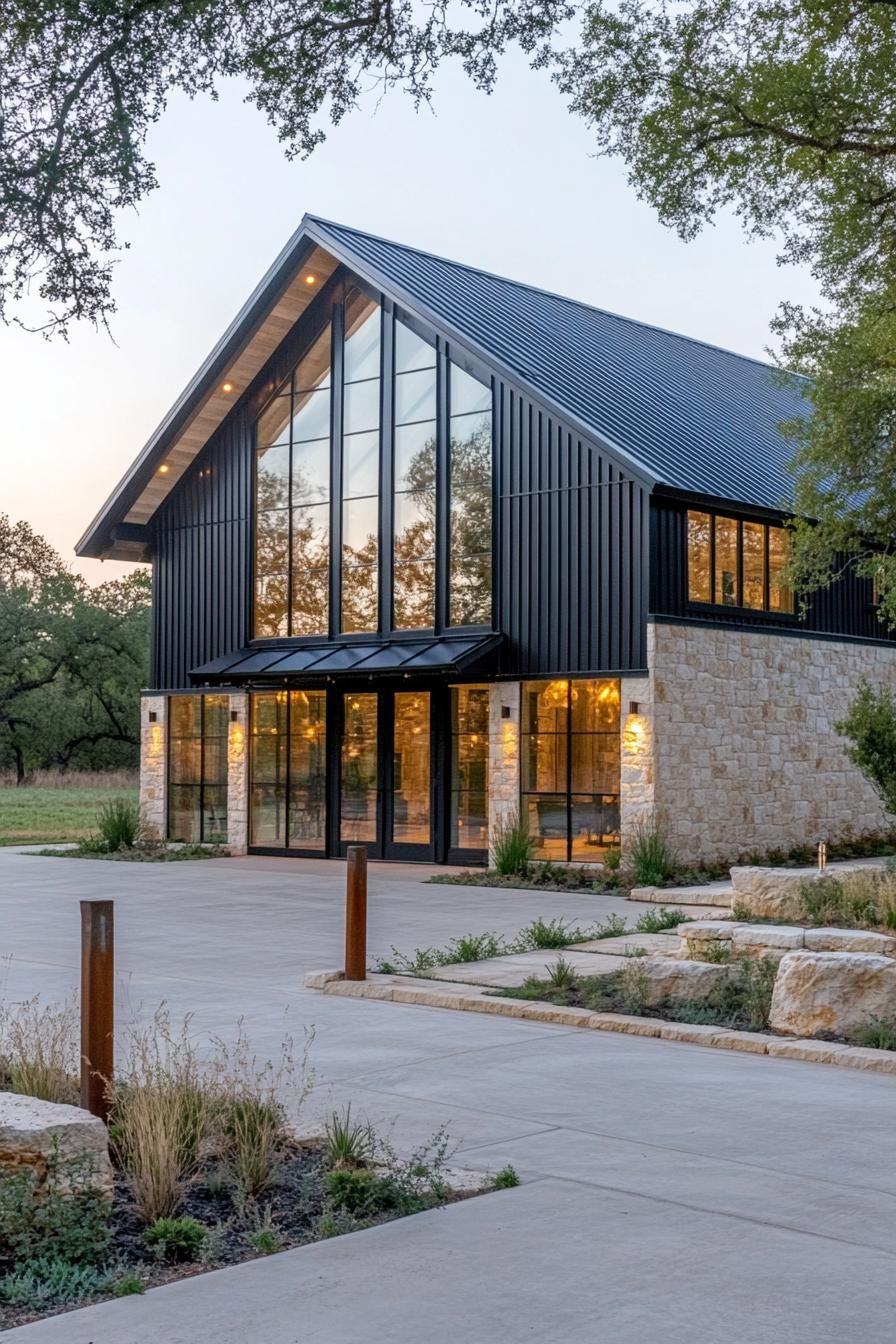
(429, 545)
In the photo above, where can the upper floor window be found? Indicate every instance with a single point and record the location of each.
(410, 503)
(735, 563)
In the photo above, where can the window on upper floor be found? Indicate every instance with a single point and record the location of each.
(737, 563)
(410, 505)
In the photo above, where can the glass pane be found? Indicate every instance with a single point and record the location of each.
(185, 760)
(699, 525)
(311, 472)
(415, 526)
(361, 464)
(311, 537)
(271, 542)
(311, 418)
(359, 769)
(415, 456)
(414, 596)
(267, 819)
(216, 712)
(411, 351)
(270, 606)
(595, 706)
(184, 716)
(753, 561)
(780, 596)
(415, 396)
(725, 588)
(467, 393)
(214, 761)
(471, 590)
(313, 370)
(469, 767)
(360, 524)
(595, 762)
(308, 769)
(471, 449)
(361, 407)
(362, 337)
(359, 599)
(273, 423)
(595, 825)
(310, 601)
(214, 815)
(411, 779)
(272, 478)
(267, 762)
(184, 814)
(548, 819)
(545, 706)
(544, 763)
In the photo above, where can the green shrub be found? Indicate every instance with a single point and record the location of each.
(44, 1220)
(613, 860)
(651, 856)
(48, 1281)
(349, 1143)
(877, 1033)
(119, 823)
(360, 1192)
(870, 727)
(512, 845)
(473, 947)
(561, 975)
(634, 987)
(506, 1178)
(175, 1239)
(657, 921)
(92, 844)
(264, 1241)
(546, 933)
(128, 1284)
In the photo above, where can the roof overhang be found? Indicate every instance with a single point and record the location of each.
(255, 333)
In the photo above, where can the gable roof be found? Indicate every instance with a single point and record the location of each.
(677, 411)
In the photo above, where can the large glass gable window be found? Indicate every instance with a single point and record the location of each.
(734, 563)
(402, 540)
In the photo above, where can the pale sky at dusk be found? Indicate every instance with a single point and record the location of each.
(507, 183)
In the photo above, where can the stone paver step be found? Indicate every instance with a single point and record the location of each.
(513, 970)
(708, 893)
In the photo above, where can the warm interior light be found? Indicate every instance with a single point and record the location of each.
(310, 279)
(164, 469)
(227, 387)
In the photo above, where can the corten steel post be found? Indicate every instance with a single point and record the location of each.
(97, 945)
(356, 913)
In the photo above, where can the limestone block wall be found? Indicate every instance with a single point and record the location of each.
(154, 766)
(503, 752)
(238, 775)
(743, 754)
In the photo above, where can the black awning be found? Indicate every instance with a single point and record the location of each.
(446, 654)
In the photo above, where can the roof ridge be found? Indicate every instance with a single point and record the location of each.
(552, 294)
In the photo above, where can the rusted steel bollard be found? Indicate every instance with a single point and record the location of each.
(356, 913)
(97, 1000)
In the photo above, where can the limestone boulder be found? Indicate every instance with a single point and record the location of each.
(819, 993)
(43, 1136)
(770, 893)
(677, 979)
(850, 940)
(765, 940)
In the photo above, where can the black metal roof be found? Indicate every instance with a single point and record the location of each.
(686, 414)
(337, 658)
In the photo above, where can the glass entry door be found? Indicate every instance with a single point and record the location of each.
(409, 814)
(385, 788)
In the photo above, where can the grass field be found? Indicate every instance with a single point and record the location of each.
(63, 808)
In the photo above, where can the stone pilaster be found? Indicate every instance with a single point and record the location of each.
(154, 766)
(238, 775)
(637, 753)
(503, 753)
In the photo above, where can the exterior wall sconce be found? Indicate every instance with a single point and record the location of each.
(505, 711)
(152, 716)
(634, 706)
(234, 716)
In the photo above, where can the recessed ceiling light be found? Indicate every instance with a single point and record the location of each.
(164, 469)
(227, 387)
(310, 279)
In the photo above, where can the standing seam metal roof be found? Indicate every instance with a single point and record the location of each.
(698, 418)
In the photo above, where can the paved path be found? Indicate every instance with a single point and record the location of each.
(670, 1193)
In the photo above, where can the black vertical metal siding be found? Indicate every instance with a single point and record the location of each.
(572, 548)
(843, 609)
(202, 567)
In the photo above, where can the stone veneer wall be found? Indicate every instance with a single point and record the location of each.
(238, 775)
(154, 766)
(503, 753)
(734, 748)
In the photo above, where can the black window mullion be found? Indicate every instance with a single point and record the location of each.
(288, 785)
(712, 557)
(292, 416)
(443, 503)
(201, 769)
(336, 400)
(568, 770)
(766, 584)
(739, 581)
(385, 552)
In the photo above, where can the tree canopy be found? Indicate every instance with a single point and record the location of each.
(72, 659)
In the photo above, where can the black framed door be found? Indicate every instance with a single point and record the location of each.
(386, 773)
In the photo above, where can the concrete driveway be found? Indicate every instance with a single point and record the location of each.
(670, 1193)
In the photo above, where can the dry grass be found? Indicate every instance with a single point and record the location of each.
(865, 897)
(40, 1050)
(56, 806)
(74, 779)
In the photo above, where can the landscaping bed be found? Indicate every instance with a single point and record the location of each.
(141, 852)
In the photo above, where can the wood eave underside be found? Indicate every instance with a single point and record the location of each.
(255, 353)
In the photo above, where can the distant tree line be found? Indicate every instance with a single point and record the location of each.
(72, 660)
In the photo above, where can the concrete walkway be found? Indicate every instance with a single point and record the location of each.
(670, 1193)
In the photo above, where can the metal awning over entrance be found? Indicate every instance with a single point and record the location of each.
(447, 656)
